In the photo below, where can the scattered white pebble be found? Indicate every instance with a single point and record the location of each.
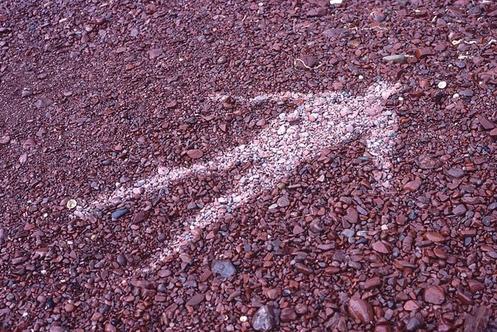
(401, 98)
(362, 233)
(335, 2)
(243, 319)
(384, 227)
(361, 77)
(442, 85)
(455, 95)
(71, 204)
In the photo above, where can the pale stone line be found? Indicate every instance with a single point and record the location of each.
(319, 122)
(322, 120)
(222, 161)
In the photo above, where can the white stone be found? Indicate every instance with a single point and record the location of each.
(442, 85)
(71, 204)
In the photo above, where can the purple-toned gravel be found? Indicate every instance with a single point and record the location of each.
(368, 225)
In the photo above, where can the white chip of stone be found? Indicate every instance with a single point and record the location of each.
(335, 2)
(362, 233)
(243, 319)
(71, 204)
(442, 85)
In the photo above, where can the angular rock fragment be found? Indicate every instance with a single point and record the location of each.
(397, 58)
(360, 310)
(154, 53)
(485, 123)
(380, 247)
(456, 172)
(119, 213)
(223, 268)
(423, 52)
(264, 319)
(434, 295)
(413, 185)
(195, 153)
(4, 139)
(288, 314)
(195, 300)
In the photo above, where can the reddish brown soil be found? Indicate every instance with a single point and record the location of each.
(93, 93)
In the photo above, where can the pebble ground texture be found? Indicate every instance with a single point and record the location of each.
(98, 95)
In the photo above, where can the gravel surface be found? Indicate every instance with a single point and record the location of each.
(240, 165)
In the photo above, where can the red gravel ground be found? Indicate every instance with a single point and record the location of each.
(95, 93)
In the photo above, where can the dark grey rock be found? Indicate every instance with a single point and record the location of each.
(223, 268)
(121, 259)
(119, 213)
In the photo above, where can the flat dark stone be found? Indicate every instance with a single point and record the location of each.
(223, 268)
(119, 213)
